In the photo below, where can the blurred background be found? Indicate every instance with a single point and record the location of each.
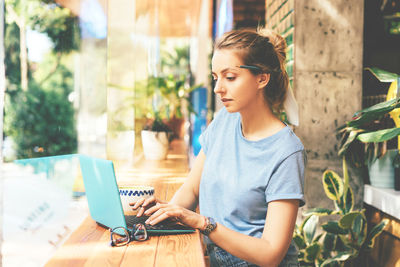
(87, 76)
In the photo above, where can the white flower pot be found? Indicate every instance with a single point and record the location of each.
(381, 171)
(155, 145)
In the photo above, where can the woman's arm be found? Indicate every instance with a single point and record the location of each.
(277, 235)
(186, 196)
(269, 250)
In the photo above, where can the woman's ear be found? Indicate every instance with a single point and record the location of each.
(263, 80)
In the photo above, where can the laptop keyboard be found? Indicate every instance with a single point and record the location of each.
(165, 225)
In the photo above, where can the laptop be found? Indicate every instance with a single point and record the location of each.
(104, 202)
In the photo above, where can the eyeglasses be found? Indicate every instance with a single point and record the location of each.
(120, 236)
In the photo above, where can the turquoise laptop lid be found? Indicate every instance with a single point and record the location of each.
(102, 191)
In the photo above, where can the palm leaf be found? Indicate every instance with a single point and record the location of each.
(374, 112)
(382, 75)
(379, 136)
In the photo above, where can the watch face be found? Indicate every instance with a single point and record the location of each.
(210, 226)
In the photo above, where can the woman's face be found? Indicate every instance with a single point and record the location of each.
(237, 87)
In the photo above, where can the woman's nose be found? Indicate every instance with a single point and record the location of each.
(218, 88)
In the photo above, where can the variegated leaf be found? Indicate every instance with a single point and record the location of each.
(334, 228)
(346, 222)
(375, 232)
(333, 185)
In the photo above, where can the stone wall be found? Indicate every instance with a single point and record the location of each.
(327, 84)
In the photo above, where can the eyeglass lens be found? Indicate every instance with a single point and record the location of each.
(140, 233)
(119, 237)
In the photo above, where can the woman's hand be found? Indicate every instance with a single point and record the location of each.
(145, 203)
(162, 211)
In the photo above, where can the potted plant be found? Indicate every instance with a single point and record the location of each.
(161, 103)
(364, 139)
(155, 139)
(343, 240)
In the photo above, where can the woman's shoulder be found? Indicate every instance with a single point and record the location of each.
(290, 141)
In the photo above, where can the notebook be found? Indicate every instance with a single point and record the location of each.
(104, 202)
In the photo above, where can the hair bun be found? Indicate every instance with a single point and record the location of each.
(277, 41)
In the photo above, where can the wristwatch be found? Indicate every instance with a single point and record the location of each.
(210, 226)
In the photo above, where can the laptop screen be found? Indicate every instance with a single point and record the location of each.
(102, 191)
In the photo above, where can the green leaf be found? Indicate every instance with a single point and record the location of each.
(376, 231)
(349, 200)
(359, 228)
(318, 212)
(334, 228)
(351, 136)
(346, 222)
(382, 75)
(379, 136)
(333, 185)
(312, 252)
(329, 241)
(345, 176)
(342, 256)
(372, 113)
(310, 228)
(340, 246)
(299, 241)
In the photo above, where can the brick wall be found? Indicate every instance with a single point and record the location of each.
(248, 13)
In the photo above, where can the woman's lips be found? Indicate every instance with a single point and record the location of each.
(226, 99)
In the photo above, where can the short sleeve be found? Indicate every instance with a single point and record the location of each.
(287, 181)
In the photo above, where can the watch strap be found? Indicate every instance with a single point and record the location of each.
(210, 226)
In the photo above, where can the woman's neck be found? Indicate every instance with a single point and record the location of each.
(259, 122)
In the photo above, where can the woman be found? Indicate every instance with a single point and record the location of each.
(248, 177)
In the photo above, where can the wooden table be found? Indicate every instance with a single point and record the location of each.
(89, 244)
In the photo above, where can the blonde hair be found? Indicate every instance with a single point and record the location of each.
(266, 50)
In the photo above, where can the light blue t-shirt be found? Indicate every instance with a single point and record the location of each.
(240, 177)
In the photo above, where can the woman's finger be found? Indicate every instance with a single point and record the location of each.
(153, 209)
(161, 214)
(158, 219)
(137, 203)
(149, 200)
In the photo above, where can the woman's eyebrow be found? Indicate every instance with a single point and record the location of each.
(224, 70)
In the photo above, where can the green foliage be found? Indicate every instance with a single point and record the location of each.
(367, 127)
(163, 97)
(46, 16)
(41, 123)
(60, 26)
(40, 120)
(342, 239)
(156, 125)
(11, 59)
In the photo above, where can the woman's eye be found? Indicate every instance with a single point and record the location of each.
(230, 78)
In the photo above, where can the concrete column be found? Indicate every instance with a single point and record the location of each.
(327, 83)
